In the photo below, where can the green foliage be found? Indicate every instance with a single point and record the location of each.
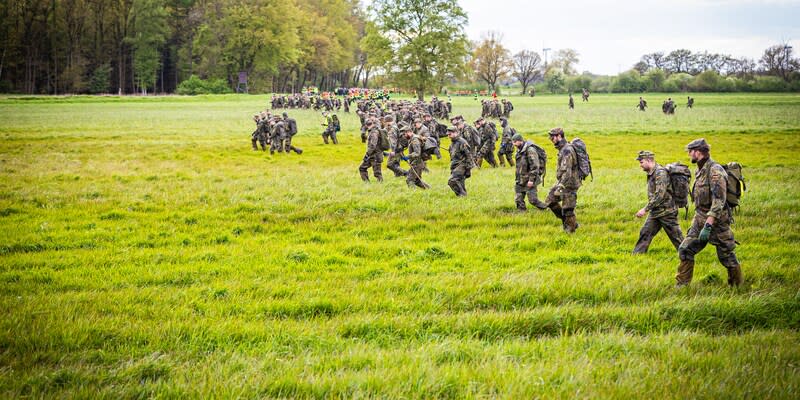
(148, 33)
(577, 83)
(707, 81)
(101, 78)
(174, 262)
(195, 85)
(554, 81)
(427, 39)
(679, 82)
(654, 80)
(769, 84)
(628, 82)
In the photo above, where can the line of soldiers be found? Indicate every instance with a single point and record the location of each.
(303, 101)
(275, 131)
(496, 109)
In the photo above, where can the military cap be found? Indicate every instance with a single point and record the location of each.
(388, 118)
(517, 138)
(698, 144)
(405, 128)
(645, 154)
(285, 115)
(417, 121)
(369, 121)
(426, 115)
(452, 129)
(556, 131)
(479, 120)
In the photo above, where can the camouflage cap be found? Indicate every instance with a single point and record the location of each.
(517, 138)
(285, 115)
(645, 154)
(426, 115)
(479, 120)
(452, 129)
(556, 131)
(698, 144)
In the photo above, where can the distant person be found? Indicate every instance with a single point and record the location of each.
(506, 152)
(291, 130)
(663, 213)
(689, 102)
(712, 217)
(416, 160)
(585, 94)
(642, 104)
(374, 155)
(571, 102)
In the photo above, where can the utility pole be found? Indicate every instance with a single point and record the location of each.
(545, 50)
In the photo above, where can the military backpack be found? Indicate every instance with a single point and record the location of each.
(542, 155)
(736, 184)
(384, 142)
(679, 178)
(584, 164)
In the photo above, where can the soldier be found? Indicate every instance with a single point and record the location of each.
(568, 181)
(397, 144)
(432, 125)
(660, 205)
(460, 162)
(488, 138)
(331, 127)
(529, 174)
(259, 135)
(712, 217)
(571, 102)
(290, 125)
(416, 160)
(689, 102)
(585, 95)
(642, 104)
(277, 135)
(471, 135)
(374, 155)
(506, 147)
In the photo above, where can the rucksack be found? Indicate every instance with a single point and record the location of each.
(679, 178)
(384, 143)
(736, 184)
(584, 164)
(292, 127)
(542, 155)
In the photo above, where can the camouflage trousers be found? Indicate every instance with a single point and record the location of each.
(371, 161)
(523, 191)
(287, 145)
(562, 201)
(393, 164)
(414, 177)
(487, 153)
(330, 133)
(506, 151)
(261, 139)
(458, 178)
(721, 237)
(651, 228)
(277, 144)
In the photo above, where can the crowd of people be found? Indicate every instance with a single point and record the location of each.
(411, 132)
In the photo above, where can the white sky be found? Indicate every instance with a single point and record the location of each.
(611, 36)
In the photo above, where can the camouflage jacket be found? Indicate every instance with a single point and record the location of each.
(507, 133)
(395, 144)
(659, 196)
(374, 141)
(460, 154)
(278, 131)
(415, 155)
(488, 133)
(527, 165)
(422, 131)
(472, 136)
(567, 173)
(710, 189)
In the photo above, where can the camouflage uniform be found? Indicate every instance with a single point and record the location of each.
(291, 130)
(416, 161)
(488, 138)
(661, 208)
(460, 165)
(528, 171)
(374, 156)
(260, 135)
(506, 147)
(571, 103)
(471, 135)
(397, 144)
(331, 126)
(277, 135)
(710, 194)
(563, 196)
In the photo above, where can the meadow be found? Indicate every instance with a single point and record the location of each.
(147, 252)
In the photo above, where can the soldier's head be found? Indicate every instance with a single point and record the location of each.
(503, 122)
(647, 160)
(556, 135)
(698, 149)
(479, 122)
(285, 115)
(427, 117)
(369, 123)
(518, 140)
(452, 133)
(388, 120)
(417, 122)
(406, 131)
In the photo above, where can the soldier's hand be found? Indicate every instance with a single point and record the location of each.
(705, 233)
(530, 184)
(641, 213)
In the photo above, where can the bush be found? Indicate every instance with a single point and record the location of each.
(194, 85)
(100, 79)
(769, 84)
(627, 82)
(707, 81)
(654, 80)
(679, 82)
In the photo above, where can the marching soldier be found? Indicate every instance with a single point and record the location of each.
(529, 174)
(563, 196)
(374, 155)
(660, 205)
(460, 162)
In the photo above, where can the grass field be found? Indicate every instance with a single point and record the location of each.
(147, 252)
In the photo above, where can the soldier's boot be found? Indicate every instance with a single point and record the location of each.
(735, 276)
(685, 271)
(570, 224)
(325, 138)
(271, 151)
(296, 149)
(335, 140)
(500, 156)
(364, 175)
(538, 204)
(510, 161)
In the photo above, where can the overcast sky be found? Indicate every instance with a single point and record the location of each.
(611, 36)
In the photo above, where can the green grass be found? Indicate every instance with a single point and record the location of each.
(147, 252)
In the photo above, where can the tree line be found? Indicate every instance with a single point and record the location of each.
(192, 46)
